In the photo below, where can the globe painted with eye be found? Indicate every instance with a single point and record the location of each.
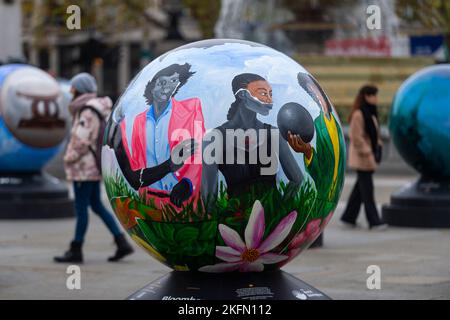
(33, 118)
(420, 121)
(197, 170)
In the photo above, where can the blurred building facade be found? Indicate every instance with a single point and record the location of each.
(113, 55)
(353, 37)
(117, 38)
(10, 31)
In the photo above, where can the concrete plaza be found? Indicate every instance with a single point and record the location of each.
(414, 262)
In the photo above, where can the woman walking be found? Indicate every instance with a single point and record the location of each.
(364, 155)
(81, 164)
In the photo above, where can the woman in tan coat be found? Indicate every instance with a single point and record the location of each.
(364, 155)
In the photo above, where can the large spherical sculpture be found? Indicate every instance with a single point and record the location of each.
(420, 121)
(34, 123)
(197, 171)
(33, 118)
(420, 128)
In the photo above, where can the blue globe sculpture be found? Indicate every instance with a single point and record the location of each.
(33, 118)
(34, 122)
(420, 129)
(420, 121)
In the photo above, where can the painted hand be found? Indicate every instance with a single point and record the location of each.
(181, 192)
(181, 152)
(298, 145)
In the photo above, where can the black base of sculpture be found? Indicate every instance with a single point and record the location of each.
(270, 285)
(33, 196)
(423, 204)
(318, 243)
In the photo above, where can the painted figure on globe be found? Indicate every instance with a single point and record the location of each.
(329, 151)
(253, 96)
(157, 134)
(260, 160)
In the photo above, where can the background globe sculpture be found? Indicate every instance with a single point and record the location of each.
(33, 125)
(420, 128)
(209, 214)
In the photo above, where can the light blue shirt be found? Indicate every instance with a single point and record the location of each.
(158, 149)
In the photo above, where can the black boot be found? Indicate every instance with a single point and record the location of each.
(74, 254)
(123, 248)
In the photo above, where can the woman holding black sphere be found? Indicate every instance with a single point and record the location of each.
(364, 155)
(253, 95)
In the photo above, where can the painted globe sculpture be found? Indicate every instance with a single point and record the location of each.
(33, 118)
(420, 121)
(197, 170)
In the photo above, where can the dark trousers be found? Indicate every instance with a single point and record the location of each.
(87, 193)
(362, 193)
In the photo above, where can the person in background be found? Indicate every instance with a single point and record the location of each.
(82, 165)
(364, 154)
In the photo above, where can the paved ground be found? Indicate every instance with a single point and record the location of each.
(414, 263)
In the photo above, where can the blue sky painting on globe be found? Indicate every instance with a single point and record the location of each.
(214, 68)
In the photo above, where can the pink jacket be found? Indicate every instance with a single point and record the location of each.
(79, 161)
(187, 118)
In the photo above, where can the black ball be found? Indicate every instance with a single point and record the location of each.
(295, 118)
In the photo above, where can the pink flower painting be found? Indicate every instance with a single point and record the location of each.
(253, 252)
